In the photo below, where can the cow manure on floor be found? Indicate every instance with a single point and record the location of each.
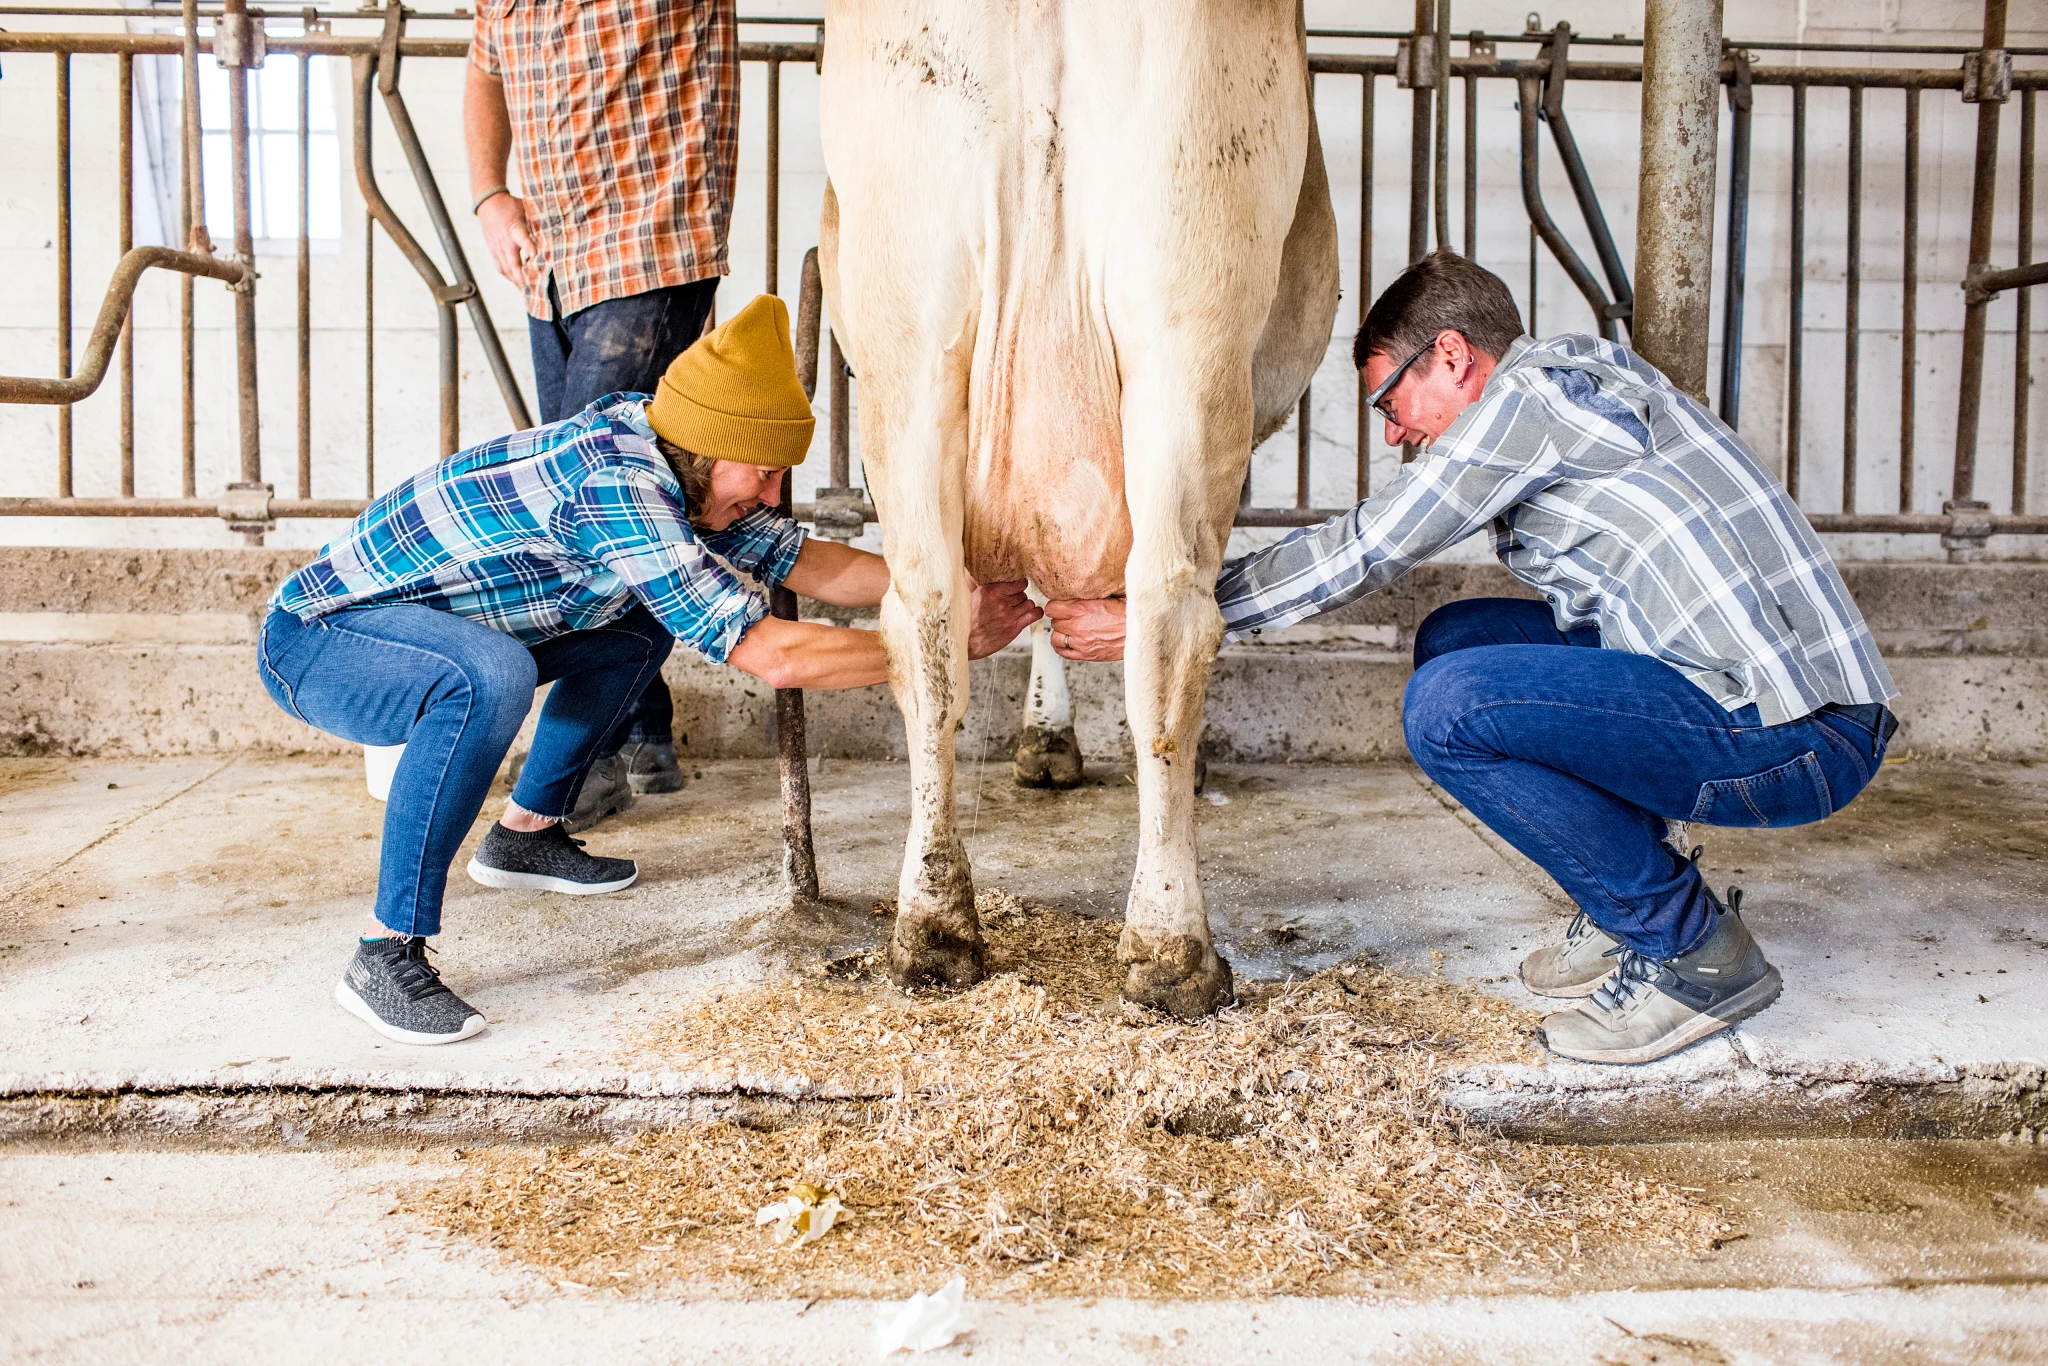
(1049, 1140)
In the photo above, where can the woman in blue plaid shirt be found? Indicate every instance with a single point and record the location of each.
(577, 554)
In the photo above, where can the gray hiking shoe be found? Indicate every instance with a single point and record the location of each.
(1576, 967)
(391, 987)
(547, 861)
(651, 767)
(1649, 1010)
(606, 792)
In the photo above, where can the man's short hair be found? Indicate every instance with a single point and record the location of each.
(1441, 291)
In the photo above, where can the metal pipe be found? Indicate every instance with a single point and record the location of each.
(1541, 221)
(192, 235)
(106, 329)
(1983, 207)
(370, 352)
(2023, 317)
(1733, 301)
(1852, 304)
(773, 189)
(1675, 200)
(197, 238)
(1418, 144)
(799, 854)
(842, 424)
(305, 279)
(1471, 168)
(1363, 480)
(1991, 283)
(1795, 303)
(63, 62)
(1302, 440)
(125, 211)
(1441, 134)
(250, 425)
(1909, 300)
(1623, 307)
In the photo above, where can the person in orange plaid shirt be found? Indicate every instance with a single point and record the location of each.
(624, 117)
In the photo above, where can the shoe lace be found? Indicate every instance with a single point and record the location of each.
(1631, 978)
(1581, 926)
(415, 976)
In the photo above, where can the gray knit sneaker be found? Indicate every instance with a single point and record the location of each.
(547, 861)
(651, 767)
(1576, 967)
(606, 791)
(1649, 1010)
(391, 987)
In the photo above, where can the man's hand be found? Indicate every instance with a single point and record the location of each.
(1089, 628)
(503, 219)
(1001, 610)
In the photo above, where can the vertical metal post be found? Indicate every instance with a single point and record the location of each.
(1363, 481)
(1795, 302)
(1852, 304)
(1909, 311)
(774, 186)
(1675, 200)
(125, 211)
(842, 421)
(2023, 320)
(1740, 98)
(63, 61)
(799, 855)
(245, 251)
(451, 382)
(305, 278)
(369, 354)
(1419, 141)
(192, 222)
(1301, 450)
(1983, 204)
(1441, 175)
(1471, 168)
(1534, 256)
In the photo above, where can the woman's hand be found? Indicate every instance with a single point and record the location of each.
(1088, 628)
(1001, 611)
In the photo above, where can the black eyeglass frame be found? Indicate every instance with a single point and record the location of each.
(1377, 396)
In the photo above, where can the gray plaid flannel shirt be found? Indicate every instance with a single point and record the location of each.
(1628, 506)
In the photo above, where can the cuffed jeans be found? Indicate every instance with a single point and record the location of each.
(619, 345)
(1577, 756)
(455, 693)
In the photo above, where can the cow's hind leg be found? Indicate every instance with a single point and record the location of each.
(1047, 753)
(1185, 440)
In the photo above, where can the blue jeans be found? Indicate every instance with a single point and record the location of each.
(620, 344)
(455, 693)
(1578, 755)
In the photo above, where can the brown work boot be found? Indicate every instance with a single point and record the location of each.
(1576, 967)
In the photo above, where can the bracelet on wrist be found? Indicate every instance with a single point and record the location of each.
(487, 196)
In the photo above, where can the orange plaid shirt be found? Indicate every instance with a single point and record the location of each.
(625, 125)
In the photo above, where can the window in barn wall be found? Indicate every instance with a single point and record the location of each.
(273, 151)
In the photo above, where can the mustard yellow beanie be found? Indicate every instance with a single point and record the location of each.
(734, 394)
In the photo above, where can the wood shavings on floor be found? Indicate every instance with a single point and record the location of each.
(1050, 1141)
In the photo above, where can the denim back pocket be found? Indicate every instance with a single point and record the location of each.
(1790, 794)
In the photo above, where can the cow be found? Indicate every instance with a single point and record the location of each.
(1082, 258)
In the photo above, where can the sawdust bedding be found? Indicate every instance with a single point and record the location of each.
(1047, 1140)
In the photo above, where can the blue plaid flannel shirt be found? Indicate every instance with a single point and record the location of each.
(551, 530)
(1628, 506)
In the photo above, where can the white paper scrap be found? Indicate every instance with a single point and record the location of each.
(925, 1323)
(807, 1215)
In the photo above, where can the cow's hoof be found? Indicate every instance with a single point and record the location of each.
(1182, 976)
(932, 957)
(1047, 758)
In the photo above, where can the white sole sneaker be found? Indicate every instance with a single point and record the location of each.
(541, 882)
(346, 998)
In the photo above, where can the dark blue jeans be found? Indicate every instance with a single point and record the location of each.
(454, 693)
(1578, 755)
(618, 345)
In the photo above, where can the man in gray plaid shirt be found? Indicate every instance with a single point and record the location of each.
(1696, 657)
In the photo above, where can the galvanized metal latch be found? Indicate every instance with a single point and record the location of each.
(238, 41)
(246, 507)
(1415, 62)
(839, 514)
(247, 284)
(1987, 76)
(1740, 96)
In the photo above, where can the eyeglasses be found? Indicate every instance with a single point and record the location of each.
(1378, 396)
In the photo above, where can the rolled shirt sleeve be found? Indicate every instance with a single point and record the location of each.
(624, 518)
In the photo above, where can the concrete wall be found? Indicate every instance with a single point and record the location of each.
(1605, 121)
(151, 652)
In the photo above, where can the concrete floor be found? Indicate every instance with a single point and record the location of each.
(177, 924)
(1854, 1251)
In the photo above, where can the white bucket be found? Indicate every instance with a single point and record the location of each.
(379, 763)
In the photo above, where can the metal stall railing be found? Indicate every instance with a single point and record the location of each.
(1421, 64)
